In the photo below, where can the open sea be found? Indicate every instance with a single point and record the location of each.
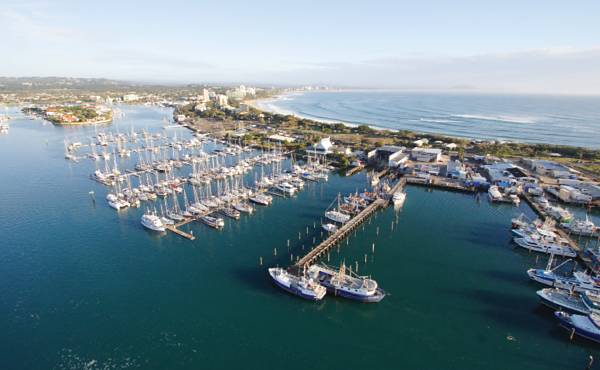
(85, 287)
(566, 120)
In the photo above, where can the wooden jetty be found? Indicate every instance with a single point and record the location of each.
(355, 170)
(174, 229)
(347, 228)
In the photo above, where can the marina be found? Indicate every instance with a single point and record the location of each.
(140, 276)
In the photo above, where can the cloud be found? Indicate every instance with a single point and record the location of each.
(566, 70)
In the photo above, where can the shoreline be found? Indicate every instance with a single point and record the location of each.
(262, 104)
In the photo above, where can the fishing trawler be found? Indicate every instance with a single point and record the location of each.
(579, 281)
(301, 286)
(586, 326)
(335, 215)
(559, 214)
(346, 284)
(560, 299)
(581, 227)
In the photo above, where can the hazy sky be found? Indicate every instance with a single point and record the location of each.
(538, 46)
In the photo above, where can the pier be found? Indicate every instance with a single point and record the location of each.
(347, 228)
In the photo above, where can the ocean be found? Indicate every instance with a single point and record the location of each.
(564, 120)
(85, 287)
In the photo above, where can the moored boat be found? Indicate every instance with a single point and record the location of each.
(586, 326)
(560, 299)
(398, 198)
(330, 228)
(545, 247)
(152, 222)
(214, 222)
(345, 284)
(300, 286)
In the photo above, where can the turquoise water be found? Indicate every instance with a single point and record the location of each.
(82, 286)
(566, 120)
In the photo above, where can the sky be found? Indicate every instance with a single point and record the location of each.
(509, 46)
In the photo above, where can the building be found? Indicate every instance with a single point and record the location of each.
(130, 97)
(426, 154)
(282, 138)
(552, 169)
(323, 146)
(421, 142)
(200, 107)
(387, 155)
(205, 95)
(221, 100)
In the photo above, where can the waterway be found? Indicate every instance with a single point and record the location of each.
(84, 287)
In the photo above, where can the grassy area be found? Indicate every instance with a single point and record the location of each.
(365, 138)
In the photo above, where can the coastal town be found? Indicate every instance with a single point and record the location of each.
(226, 156)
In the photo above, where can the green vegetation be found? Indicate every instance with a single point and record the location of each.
(364, 137)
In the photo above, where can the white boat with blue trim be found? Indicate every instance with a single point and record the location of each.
(301, 286)
(344, 283)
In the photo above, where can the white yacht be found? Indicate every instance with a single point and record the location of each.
(545, 247)
(286, 188)
(152, 222)
(330, 228)
(494, 194)
(337, 216)
(398, 198)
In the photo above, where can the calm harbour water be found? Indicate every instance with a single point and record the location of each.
(84, 287)
(566, 120)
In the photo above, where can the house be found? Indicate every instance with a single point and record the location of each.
(282, 138)
(322, 147)
(421, 142)
(388, 155)
(426, 154)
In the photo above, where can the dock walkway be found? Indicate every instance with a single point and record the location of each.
(347, 228)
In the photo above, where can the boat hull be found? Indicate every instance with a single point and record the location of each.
(295, 292)
(566, 321)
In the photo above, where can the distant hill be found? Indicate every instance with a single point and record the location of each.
(62, 83)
